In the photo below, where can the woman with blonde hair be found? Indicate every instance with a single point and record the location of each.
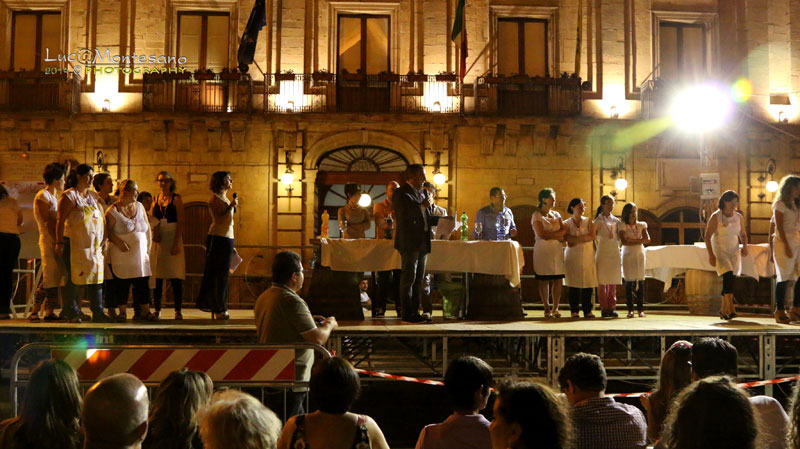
(172, 423)
(170, 264)
(786, 248)
(237, 420)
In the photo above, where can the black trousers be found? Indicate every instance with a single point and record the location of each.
(141, 291)
(580, 299)
(9, 258)
(213, 295)
(177, 293)
(387, 287)
(411, 281)
(634, 291)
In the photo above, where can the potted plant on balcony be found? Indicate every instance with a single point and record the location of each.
(518, 78)
(180, 75)
(230, 74)
(388, 77)
(204, 75)
(322, 75)
(285, 76)
(446, 76)
(495, 79)
(418, 77)
(347, 76)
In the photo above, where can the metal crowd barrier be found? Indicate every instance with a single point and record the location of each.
(239, 366)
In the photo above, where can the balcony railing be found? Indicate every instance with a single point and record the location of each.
(655, 95)
(197, 92)
(39, 91)
(327, 92)
(523, 95)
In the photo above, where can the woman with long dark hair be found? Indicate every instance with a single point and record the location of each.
(548, 252)
(607, 257)
(354, 220)
(172, 423)
(527, 416)
(786, 248)
(580, 269)
(50, 412)
(724, 231)
(45, 212)
(213, 295)
(170, 264)
(633, 235)
(673, 376)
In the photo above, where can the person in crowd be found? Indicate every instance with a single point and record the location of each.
(548, 254)
(633, 235)
(366, 302)
(51, 410)
(717, 357)
(80, 233)
(10, 245)
(494, 221)
(45, 212)
(387, 281)
(607, 257)
(723, 233)
(114, 413)
(146, 198)
(712, 413)
(335, 387)
(172, 423)
(237, 420)
(103, 187)
(579, 259)
(414, 219)
(282, 317)
(354, 219)
(213, 296)
(527, 416)
(468, 383)
(129, 234)
(674, 375)
(170, 264)
(600, 422)
(794, 417)
(786, 246)
(433, 192)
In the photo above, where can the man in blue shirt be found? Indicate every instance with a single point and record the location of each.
(495, 221)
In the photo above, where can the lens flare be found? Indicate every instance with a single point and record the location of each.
(741, 90)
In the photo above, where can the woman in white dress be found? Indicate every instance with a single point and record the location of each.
(633, 235)
(607, 258)
(129, 235)
(723, 233)
(786, 248)
(354, 220)
(548, 253)
(45, 211)
(580, 270)
(171, 263)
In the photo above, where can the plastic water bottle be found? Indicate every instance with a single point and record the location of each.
(387, 233)
(326, 218)
(464, 226)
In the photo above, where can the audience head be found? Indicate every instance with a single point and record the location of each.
(364, 285)
(727, 197)
(164, 178)
(220, 182)
(794, 417)
(788, 190)
(287, 269)
(497, 196)
(176, 401)
(430, 188)
(54, 172)
(467, 382)
(676, 369)
(714, 357)
(712, 413)
(576, 204)
(237, 420)
(146, 198)
(103, 183)
(128, 189)
(529, 415)
(115, 412)
(606, 203)
(390, 188)
(81, 176)
(583, 376)
(415, 175)
(629, 213)
(3, 191)
(335, 385)
(547, 196)
(51, 409)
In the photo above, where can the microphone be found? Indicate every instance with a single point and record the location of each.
(235, 195)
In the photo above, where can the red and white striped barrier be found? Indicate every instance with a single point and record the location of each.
(153, 365)
(403, 378)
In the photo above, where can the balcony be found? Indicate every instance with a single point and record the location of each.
(523, 95)
(201, 91)
(354, 92)
(39, 91)
(656, 95)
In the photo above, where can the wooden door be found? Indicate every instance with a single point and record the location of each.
(197, 221)
(526, 238)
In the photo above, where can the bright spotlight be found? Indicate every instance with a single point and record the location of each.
(772, 186)
(621, 184)
(364, 200)
(701, 108)
(439, 179)
(287, 178)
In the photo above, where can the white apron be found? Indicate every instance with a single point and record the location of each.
(52, 267)
(134, 263)
(725, 243)
(579, 259)
(608, 259)
(168, 266)
(633, 256)
(86, 230)
(548, 255)
(787, 268)
(153, 250)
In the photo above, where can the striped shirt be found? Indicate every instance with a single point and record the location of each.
(603, 423)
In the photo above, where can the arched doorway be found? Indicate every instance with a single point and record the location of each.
(681, 226)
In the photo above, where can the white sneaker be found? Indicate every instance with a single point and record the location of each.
(427, 317)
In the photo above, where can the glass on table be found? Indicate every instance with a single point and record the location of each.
(479, 229)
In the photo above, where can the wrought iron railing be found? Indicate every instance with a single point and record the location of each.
(523, 95)
(202, 91)
(39, 91)
(655, 95)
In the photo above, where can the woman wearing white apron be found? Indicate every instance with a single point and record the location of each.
(45, 211)
(607, 258)
(146, 198)
(82, 250)
(633, 235)
(786, 249)
(103, 186)
(171, 263)
(548, 253)
(723, 233)
(129, 236)
(580, 270)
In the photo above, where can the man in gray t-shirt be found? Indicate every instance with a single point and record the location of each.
(282, 317)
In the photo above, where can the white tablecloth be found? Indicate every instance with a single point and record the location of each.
(488, 257)
(665, 262)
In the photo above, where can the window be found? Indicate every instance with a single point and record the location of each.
(682, 51)
(682, 227)
(203, 39)
(363, 43)
(522, 47)
(32, 33)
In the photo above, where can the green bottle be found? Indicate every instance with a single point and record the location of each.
(464, 226)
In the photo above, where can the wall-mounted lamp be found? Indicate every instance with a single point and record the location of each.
(769, 171)
(100, 161)
(782, 118)
(620, 183)
(437, 107)
(612, 112)
(106, 105)
(287, 178)
(364, 200)
(290, 106)
(438, 177)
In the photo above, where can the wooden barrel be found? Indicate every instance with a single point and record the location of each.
(703, 292)
(335, 293)
(492, 298)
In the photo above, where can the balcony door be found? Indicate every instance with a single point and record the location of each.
(363, 44)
